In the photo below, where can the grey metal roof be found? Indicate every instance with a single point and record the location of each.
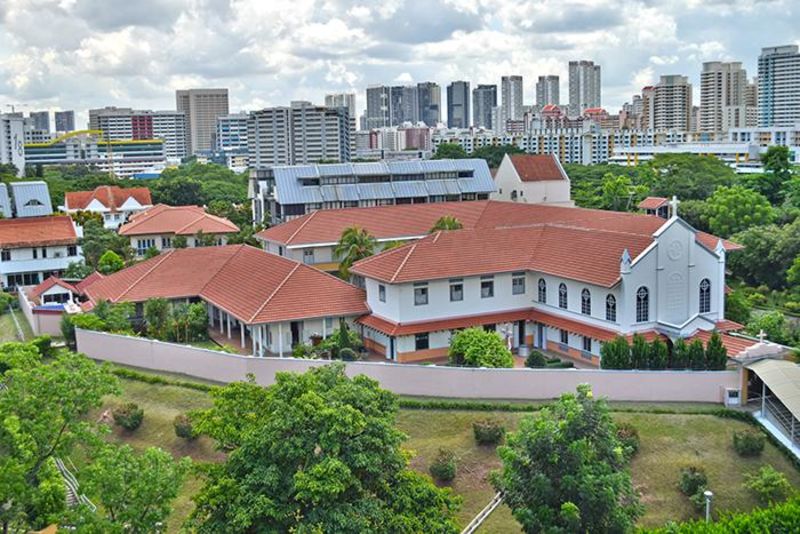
(405, 167)
(31, 199)
(377, 167)
(375, 191)
(439, 165)
(410, 189)
(335, 169)
(443, 187)
(5, 202)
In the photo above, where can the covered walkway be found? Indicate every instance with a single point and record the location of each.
(776, 386)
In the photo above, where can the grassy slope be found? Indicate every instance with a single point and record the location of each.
(8, 331)
(668, 443)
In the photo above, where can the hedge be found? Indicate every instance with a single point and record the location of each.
(783, 517)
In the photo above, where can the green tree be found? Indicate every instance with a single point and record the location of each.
(179, 241)
(449, 151)
(446, 222)
(110, 262)
(736, 307)
(619, 193)
(355, 244)
(615, 354)
(564, 470)
(659, 355)
(321, 454)
(640, 352)
(97, 240)
(680, 355)
(696, 355)
(733, 209)
(493, 154)
(773, 324)
(238, 409)
(476, 347)
(156, 317)
(135, 491)
(151, 252)
(716, 353)
(77, 270)
(793, 273)
(43, 408)
(777, 173)
(178, 192)
(686, 175)
(202, 239)
(767, 255)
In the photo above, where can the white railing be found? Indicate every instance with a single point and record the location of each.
(483, 515)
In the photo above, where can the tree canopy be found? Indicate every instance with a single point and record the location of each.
(355, 244)
(493, 154)
(449, 151)
(733, 209)
(446, 222)
(476, 347)
(315, 452)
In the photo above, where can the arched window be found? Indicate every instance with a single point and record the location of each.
(611, 308)
(642, 305)
(542, 291)
(586, 302)
(705, 295)
(562, 296)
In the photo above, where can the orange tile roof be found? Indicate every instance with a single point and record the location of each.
(537, 167)
(37, 231)
(652, 203)
(541, 248)
(390, 328)
(89, 280)
(110, 196)
(733, 344)
(252, 285)
(36, 291)
(178, 220)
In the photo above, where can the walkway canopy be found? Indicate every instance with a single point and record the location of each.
(780, 394)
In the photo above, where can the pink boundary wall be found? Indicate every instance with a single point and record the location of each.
(422, 380)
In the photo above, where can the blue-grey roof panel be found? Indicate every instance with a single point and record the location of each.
(336, 169)
(31, 199)
(375, 191)
(437, 165)
(347, 192)
(405, 167)
(410, 189)
(377, 167)
(328, 193)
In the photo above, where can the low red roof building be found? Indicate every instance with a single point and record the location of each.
(115, 204)
(532, 179)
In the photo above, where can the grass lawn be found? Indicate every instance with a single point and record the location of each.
(8, 332)
(669, 442)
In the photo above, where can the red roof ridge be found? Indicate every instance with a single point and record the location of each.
(411, 250)
(240, 247)
(161, 258)
(185, 226)
(275, 292)
(302, 225)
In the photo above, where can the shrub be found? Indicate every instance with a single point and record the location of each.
(783, 517)
(476, 347)
(628, 436)
(560, 365)
(535, 359)
(44, 344)
(792, 306)
(348, 355)
(488, 432)
(769, 485)
(128, 416)
(6, 300)
(443, 467)
(184, 427)
(693, 480)
(303, 350)
(748, 442)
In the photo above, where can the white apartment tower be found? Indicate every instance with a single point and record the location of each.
(122, 124)
(723, 90)
(672, 103)
(202, 107)
(779, 86)
(584, 86)
(547, 91)
(342, 100)
(12, 142)
(511, 89)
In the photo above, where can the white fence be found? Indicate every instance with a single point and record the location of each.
(421, 380)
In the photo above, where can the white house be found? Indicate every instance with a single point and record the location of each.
(561, 284)
(35, 248)
(160, 225)
(113, 203)
(533, 179)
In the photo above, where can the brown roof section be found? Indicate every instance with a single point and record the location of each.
(89, 280)
(178, 220)
(37, 231)
(110, 196)
(390, 328)
(36, 291)
(652, 203)
(733, 344)
(542, 248)
(537, 167)
(251, 284)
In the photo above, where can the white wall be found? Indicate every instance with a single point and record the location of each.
(548, 191)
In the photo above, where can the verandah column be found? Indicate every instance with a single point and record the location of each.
(280, 340)
(241, 332)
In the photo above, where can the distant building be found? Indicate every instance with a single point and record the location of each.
(119, 124)
(584, 86)
(31, 199)
(484, 100)
(532, 179)
(40, 120)
(723, 90)
(458, 115)
(231, 133)
(202, 107)
(547, 91)
(269, 137)
(65, 121)
(672, 104)
(342, 100)
(12, 142)
(378, 113)
(113, 203)
(429, 96)
(778, 86)
(511, 87)
(658, 206)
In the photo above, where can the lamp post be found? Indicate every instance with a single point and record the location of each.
(708, 494)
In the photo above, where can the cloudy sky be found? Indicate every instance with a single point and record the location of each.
(77, 54)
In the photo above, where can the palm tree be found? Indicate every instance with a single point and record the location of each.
(354, 244)
(446, 222)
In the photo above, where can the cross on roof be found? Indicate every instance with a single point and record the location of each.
(761, 335)
(673, 205)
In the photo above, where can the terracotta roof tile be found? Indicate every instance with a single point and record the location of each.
(36, 291)
(733, 344)
(252, 285)
(178, 220)
(537, 167)
(37, 231)
(390, 328)
(652, 203)
(110, 196)
(89, 280)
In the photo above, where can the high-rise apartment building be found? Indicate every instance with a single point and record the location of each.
(404, 105)
(342, 100)
(484, 99)
(65, 121)
(511, 88)
(779, 86)
(672, 103)
(231, 133)
(547, 91)
(378, 107)
(458, 115)
(269, 137)
(723, 85)
(40, 120)
(584, 86)
(12, 141)
(120, 124)
(202, 107)
(429, 96)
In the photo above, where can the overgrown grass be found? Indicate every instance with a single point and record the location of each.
(8, 332)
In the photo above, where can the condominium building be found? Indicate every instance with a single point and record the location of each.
(342, 100)
(269, 139)
(779, 86)
(547, 91)
(120, 124)
(672, 103)
(458, 115)
(429, 96)
(404, 105)
(65, 121)
(723, 90)
(40, 120)
(584, 86)
(231, 133)
(484, 100)
(378, 113)
(202, 107)
(511, 88)
(12, 142)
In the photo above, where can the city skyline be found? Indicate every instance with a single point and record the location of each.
(120, 54)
